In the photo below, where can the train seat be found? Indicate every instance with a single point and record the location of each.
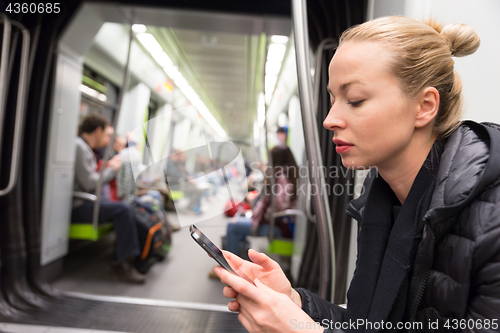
(283, 246)
(92, 231)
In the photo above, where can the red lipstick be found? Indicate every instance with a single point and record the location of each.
(342, 146)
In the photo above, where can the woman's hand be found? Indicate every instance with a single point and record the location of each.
(263, 268)
(262, 309)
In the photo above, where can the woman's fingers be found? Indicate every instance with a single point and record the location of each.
(261, 259)
(229, 292)
(245, 320)
(266, 289)
(239, 285)
(233, 306)
(241, 267)
(234, 261)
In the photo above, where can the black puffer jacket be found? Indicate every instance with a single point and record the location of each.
(456, 271)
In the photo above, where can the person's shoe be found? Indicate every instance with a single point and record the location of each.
(175, 227)
(212, 274)
(126, 272)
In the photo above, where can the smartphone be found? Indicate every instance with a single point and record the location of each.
(210, 247)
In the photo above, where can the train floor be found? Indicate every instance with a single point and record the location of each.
(182, 277)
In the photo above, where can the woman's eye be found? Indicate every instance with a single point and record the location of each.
(356, 103)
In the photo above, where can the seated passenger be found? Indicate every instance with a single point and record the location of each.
(176, 174)
(93, 134)
(285, 192)
(131, 160)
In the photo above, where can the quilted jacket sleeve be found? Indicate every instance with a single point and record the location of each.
(484, 301)
(320, 310)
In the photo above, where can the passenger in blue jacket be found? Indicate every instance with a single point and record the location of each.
(429, 238)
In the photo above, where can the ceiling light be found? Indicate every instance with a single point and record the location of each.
(149, 42)
(138, 28)
(271, 80)
(276, 52)
(279, 39)
(273, 68)
(162, 58)
(89, 91)
(152, 45)
(172, 71)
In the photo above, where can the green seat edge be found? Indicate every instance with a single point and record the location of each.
(176, 195)
(281, 247)
(86, 231)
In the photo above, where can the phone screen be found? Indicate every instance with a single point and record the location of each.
(210, 247)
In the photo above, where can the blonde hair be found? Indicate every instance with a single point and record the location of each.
(423, 58)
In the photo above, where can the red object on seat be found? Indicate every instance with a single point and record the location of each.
(230, 210)
(113, 192)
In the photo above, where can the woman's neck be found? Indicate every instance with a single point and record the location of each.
(401, 174)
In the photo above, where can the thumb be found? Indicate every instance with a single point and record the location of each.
(233, 259)
(261, 259)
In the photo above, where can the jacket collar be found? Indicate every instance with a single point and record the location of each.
(470, 162)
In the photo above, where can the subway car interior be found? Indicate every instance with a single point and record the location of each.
(208, 86)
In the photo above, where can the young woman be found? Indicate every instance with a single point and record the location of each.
(285, 171)
(429, 238)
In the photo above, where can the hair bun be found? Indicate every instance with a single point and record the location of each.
(463, 39)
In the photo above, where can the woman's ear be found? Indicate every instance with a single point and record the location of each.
(428, 107)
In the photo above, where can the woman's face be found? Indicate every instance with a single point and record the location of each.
(372, 120)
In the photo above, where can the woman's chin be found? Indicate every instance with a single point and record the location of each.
(354, 165)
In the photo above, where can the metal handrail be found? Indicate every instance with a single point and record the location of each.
(107, 154)
(269, 155)
(309, 213)
(322, 209)
(20, 108)
(84, 196)
(327, 42)
(4, 60)
(317, 70)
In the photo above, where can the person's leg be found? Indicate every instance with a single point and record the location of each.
(237, 232)
(127, 241)
(83, 213)
(264, 230)
(194, 195)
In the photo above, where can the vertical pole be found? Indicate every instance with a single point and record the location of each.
(317, 177)
(123, 89)
(4, 60)
(269, 156)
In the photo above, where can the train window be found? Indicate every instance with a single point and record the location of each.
(98, 95)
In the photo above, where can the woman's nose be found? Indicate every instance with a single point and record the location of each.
(333, 120)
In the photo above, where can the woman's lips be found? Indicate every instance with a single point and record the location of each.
(343, 149)
(342, 146)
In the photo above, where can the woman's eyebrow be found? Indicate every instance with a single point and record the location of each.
(344, 86)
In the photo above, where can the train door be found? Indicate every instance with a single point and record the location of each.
(170, 80)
